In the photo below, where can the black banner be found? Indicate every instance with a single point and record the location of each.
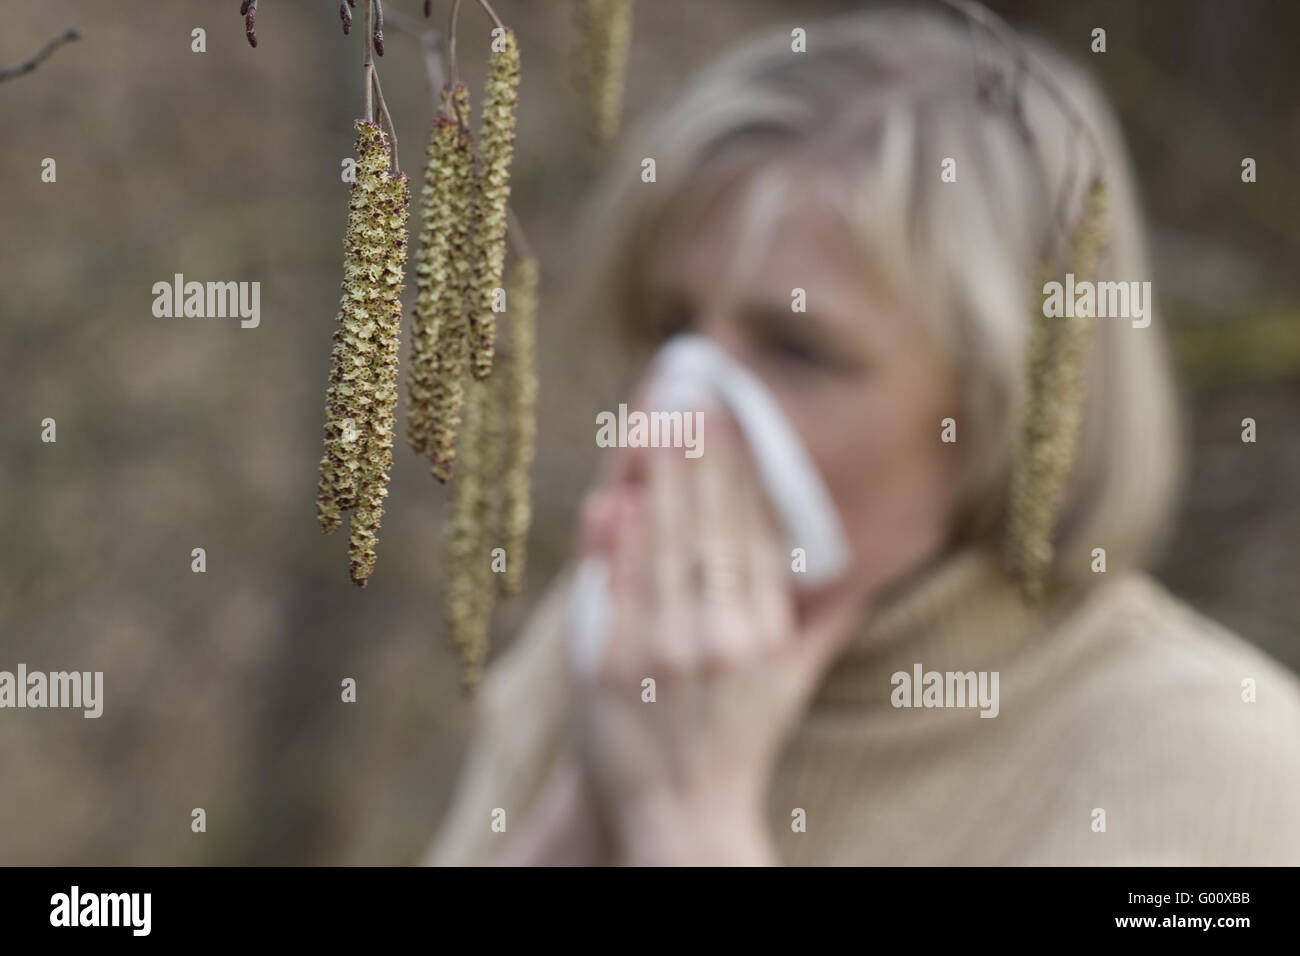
(239, 905)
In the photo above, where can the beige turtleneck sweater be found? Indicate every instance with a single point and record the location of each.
(1126, 701)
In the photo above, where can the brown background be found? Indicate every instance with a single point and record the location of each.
(222, 689)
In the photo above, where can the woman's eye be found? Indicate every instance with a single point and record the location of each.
(798, 351)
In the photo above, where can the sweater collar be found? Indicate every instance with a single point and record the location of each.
(959, 612)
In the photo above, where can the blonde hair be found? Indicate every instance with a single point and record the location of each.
(882, 99)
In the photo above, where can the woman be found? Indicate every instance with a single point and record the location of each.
(907, 174)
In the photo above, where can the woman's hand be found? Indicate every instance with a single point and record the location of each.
(701, 603)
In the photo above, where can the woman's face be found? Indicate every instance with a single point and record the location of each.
(857, 374)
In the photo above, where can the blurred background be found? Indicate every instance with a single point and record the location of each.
(222, 690)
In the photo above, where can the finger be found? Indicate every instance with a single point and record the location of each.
(771, 590)
(722, 571)
(670, 492)
(630, 587)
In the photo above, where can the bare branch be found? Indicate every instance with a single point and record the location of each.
(388, 119)
(32, 62)
(368, 65)
(487, 8)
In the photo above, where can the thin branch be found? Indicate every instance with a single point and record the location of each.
(451, 32)
(432, 42)
(384, 114)
(32, 62)
(368, 68)
(1024, 60)
(487, 8)
(1028, 65)
(451, 42)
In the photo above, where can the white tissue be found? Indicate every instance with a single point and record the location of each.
(690, 372)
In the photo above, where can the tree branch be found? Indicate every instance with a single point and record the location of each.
(368, 66)
(384, 115)
(32, 62)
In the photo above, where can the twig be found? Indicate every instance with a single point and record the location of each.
(451, 42)
(32, 62)
(487, 8)
(368, 68)
(1024, 60)
(1027, 65)
(384, 114)
(451, 32)
(515, 229)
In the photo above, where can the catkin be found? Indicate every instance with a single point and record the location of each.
(350, 393)
(518, 399)
(605, 28)
(452, 346)
(496, 145)
(491, 442)
(473, 528)
(462, 538)
(388, 232)
(432, 271)
(1057, 362)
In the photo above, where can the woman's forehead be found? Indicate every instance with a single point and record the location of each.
(771, 225)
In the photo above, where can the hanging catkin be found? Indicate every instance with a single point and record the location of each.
(459, 272)
(432, 273)
(496, 145)
(605, 32)
(472, 531)
(389, 234)
(452, 346)
(350, 393)
(491, 443)
(462, 539)
(1057, 361)
(518, 399)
